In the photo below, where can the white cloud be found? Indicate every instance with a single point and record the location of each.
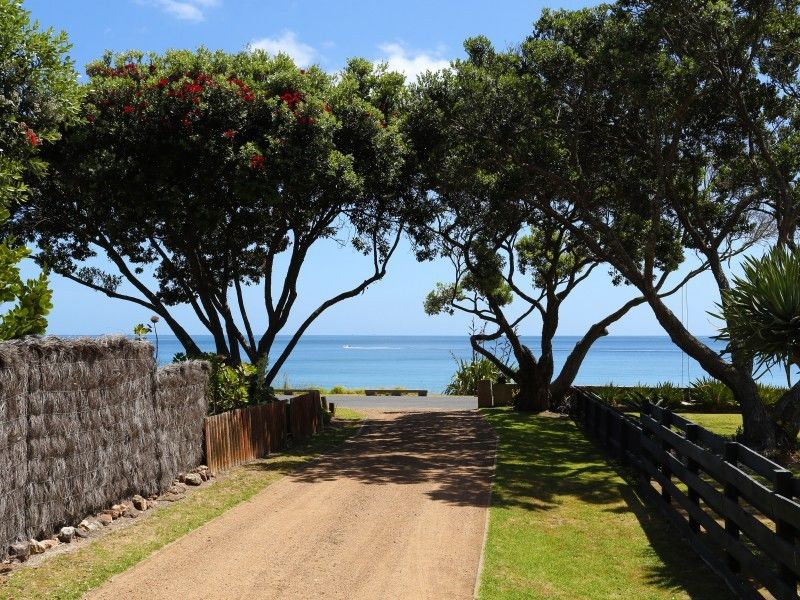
(411, 64)
(287, 42)
(186, 10)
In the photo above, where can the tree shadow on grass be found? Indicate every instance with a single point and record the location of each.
(545, 461)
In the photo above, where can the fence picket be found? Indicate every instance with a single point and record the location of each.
(244, 434)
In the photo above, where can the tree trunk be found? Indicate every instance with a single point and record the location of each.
(761, 431)
(786, 416)
(534, 388)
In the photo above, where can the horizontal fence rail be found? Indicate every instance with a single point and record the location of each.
(239, 436)
(738, 509)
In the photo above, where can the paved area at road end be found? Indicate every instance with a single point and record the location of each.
(405, 402)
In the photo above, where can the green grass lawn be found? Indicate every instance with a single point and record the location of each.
(73, 574)
(722, 424)
(565, 524)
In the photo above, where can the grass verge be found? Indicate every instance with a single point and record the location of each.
(73, 574)
(348, 413)
(720, 423)
(565, 524)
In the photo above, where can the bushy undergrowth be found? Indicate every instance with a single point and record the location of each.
(468, 374)
(232, 387)
(703, 395)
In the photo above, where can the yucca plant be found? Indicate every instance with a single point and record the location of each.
(761, 312)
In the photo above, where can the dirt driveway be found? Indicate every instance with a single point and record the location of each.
(398, 512)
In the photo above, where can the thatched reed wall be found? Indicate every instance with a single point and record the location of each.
(13, 441)
(181, 405)
(83, 425)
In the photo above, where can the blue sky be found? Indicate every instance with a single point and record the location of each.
(412, 36)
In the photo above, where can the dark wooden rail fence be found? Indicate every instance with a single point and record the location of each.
(238, 436)
(737, 508)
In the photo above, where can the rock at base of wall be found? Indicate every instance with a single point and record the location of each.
(90, 524)
(193, 479)
(50, 543)
(20, 550)
(177, 488)
(66, 534)
(132, 513)
(105, 519)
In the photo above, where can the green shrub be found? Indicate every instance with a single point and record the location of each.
(709, 394)
(468, 374)
(232, 387)
(630, 397)
(704, 395)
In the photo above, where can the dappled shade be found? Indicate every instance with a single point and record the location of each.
(453, 451)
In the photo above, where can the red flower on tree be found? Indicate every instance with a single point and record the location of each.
(162, 83)
(244, 91)
(291, 98)
(229, 134)
(127, 109)
(257, 162)
(33, 139)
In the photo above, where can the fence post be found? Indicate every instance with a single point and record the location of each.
(596, 419)
(643, 433)
(693, 435)
(783, 486)
(485, 394)
(665, 420)
(731, 455)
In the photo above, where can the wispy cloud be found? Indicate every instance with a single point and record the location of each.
(287, 42)
(186, 10)
(411, 63)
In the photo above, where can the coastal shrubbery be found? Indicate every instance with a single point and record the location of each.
(231, 387)
(468, 374)
(703, 395)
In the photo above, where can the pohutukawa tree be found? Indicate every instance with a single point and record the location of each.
(473, 127)
(197, 174)
(640, 127)
(38, 93)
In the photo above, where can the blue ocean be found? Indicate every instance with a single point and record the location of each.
(429, 361)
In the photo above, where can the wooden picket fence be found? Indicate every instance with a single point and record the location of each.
(238, 436)
(305, 415)
(737, 509)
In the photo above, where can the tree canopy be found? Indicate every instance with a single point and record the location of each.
(38, 93)
(203, 168)
(659, 120)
